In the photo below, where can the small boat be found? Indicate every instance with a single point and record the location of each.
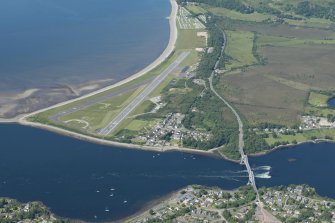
(98, 191)
(111, 195)
(112, 189)
(125, 201)
(107, 210)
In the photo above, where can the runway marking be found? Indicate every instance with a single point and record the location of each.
(140, 98)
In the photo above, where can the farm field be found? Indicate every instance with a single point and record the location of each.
(196, 9)
(302, 137)
(318, 99)
(239, 49)
(253, 17)
(297, 60)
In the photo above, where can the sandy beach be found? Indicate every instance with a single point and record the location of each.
(169, 49)
(165, 54)
(113, 143)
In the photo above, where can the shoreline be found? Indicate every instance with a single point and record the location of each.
(22, 119)
(156, 202)
(100, 141)
(164, 55)
(274, 149)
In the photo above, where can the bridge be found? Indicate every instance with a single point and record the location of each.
(244, 157)
(245, 161)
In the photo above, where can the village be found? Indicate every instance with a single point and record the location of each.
(298, 203)
(12, 211)
(201, 204)
(170, 132)
(314, 122)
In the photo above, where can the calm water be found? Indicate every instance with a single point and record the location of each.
(310, 164)
(76, 179)
(331, 102)
(48, 42)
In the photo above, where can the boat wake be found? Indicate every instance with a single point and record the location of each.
(265, 175)
(267, 168)
(262, 172)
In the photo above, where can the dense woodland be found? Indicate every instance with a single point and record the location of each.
(308, 9)
(304, 8)
(203, 110)
(215, 40)
(229, 4)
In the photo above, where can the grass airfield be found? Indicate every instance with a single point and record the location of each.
(273, 72)
(91, 119)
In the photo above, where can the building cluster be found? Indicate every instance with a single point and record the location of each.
(189, 71)
(12, 211)
(198, 204)
(314, 122)
(202, 204)
(308, 122)
(158, 104)
(298, 204)
(166, 130)
(170, 132)
(277, 131)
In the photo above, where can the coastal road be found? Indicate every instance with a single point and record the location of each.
(93, 101)
(244, 157)
(132, 105)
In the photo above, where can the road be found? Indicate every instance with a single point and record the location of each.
(244, 158)
(132, 105)
(62, 113)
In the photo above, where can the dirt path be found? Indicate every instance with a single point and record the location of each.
(264, 216)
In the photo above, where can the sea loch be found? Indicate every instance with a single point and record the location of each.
(47, 43)
(77, 179)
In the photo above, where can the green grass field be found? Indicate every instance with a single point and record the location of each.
(296, 61)
(265, 40)
(318, 99)
(253, 17)
(188, 39)
(196, 9)
(136, 125)
(320, 112)
(317, 104)
(302, 137)
(239, 49)
(311, 22)
(98, 115)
